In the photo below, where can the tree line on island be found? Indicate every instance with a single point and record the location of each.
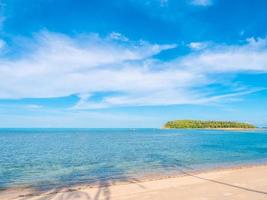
(207, 124)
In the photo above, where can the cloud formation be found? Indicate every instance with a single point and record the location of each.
(125, 71)
(198, 45)
(249, 57)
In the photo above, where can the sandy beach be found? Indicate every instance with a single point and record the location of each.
(236, 183)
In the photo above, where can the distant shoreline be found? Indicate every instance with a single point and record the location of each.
(222, 129)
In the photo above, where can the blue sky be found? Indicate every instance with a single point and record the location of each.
(131, 63)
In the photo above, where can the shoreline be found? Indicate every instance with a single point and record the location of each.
(257, 171)
(222, 129)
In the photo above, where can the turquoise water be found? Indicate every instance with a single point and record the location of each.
(57, 157)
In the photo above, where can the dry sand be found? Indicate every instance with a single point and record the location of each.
(248, 183)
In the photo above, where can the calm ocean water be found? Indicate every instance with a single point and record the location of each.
(57, 157)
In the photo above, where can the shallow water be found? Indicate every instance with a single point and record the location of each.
(58, 157)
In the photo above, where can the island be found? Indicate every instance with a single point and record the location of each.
(201, 124)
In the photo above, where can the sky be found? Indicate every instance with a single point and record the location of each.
(131, 63)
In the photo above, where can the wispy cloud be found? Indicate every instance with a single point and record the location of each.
(59, 65)
(250, 57)
(202, 2)
(118, 36)
(198, 45)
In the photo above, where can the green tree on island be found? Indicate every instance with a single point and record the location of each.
(206, 124)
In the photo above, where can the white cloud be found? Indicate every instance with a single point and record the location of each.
(202, 2)
(198, 45)
(118, 36)
(251, 56)
(33, 106)
(59, 65)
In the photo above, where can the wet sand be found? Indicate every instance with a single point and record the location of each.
(248, 183)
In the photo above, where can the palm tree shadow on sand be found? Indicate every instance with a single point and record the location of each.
(103, 183)
(73, 192)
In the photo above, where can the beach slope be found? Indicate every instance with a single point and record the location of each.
(239, 184)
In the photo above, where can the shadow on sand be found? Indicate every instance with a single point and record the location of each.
(103, 184)
(180, 166)
(73, 192)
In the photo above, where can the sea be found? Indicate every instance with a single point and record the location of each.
(49, 158)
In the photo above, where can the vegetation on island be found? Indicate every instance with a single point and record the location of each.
(207, 124)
